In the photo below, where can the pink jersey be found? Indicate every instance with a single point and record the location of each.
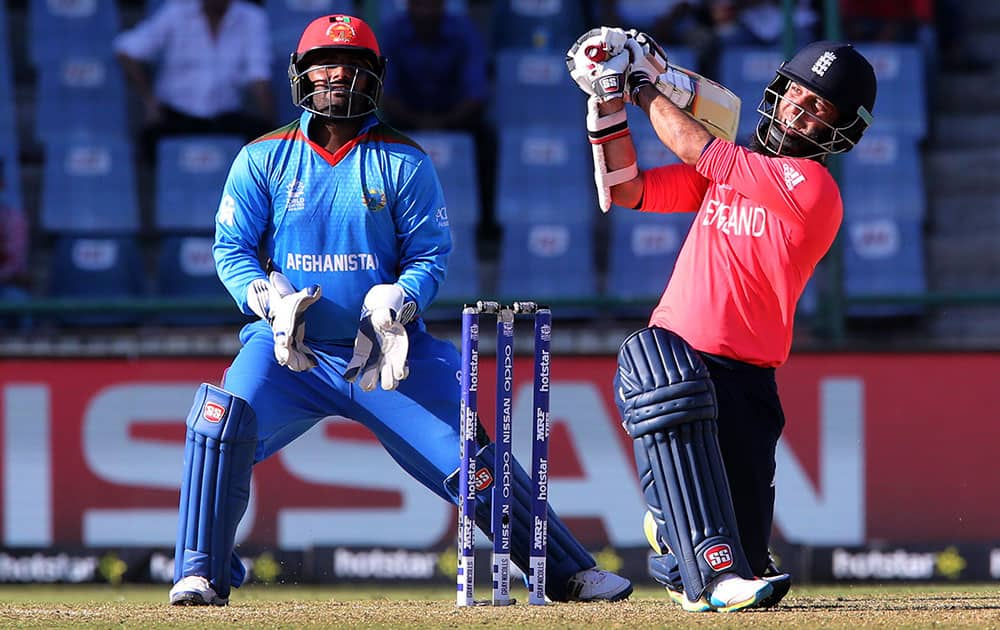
(762, 225)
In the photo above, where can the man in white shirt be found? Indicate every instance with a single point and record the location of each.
(207, 55)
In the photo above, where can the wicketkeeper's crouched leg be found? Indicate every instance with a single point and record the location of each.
(565, 556)
(218, 458)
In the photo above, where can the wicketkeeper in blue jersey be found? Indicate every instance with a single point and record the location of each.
(350, 218)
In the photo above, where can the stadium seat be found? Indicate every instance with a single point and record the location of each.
(57, 28)
(288, 18)
(649, 149)
(685, 57)
(533, 87)
(462, 283)
(154, 5)
(186, 269)
(89, 186)
(644, 247)
(389, 9)
(546, 260)
(190, 174)
(10, 175)
(747, 70)
(545, 174)
(899, 108)
(883, 256)
(95, 268)
(539, 24)
(883, 177)
(454, 156)
(901, 104)
(80, 93)
(10, 172)
(808, 305)
(10, 179)
(8, 118)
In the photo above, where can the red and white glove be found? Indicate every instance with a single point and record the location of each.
(597, 62)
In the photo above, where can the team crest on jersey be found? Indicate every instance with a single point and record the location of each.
(295, 196)
(341, 31)
(375, 199)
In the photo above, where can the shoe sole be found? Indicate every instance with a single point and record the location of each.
(758, 597)
(623, 595)
(191, 598)
(617, 597)
(780, 585)
(687, 605)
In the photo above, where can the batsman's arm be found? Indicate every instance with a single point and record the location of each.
(620, 153)
(683, 135)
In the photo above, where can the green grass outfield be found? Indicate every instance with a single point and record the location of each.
(806, 607)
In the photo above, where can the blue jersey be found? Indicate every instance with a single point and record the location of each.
(371, 213)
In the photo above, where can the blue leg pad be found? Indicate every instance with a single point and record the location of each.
(667, 401)
(565, 555)
(215, 489)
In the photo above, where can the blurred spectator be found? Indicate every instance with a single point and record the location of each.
(201, 56)
(765, 21)
(14, 279)
(886, 20)
(950, 18)
(670, 22)
(729, 30)
(938, 26)
(757, 23)
(437, 79)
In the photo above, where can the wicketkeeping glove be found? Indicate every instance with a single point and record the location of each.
(597, 64)
(381, 345)
(276, 301)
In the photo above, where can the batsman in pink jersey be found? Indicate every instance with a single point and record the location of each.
(696, 389)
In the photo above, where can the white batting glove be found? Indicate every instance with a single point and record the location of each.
(276, 301)
(647, 61)
(594, 61)
(381, 345)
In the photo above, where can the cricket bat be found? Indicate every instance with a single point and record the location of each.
(708, 102)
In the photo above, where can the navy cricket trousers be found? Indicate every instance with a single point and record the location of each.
(750, 422)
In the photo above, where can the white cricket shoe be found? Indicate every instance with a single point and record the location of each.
(729, 592)
(681, 599)
(195, 590)
(595, 585)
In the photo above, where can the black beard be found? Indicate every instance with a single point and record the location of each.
(346, 107)
(792, 146)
